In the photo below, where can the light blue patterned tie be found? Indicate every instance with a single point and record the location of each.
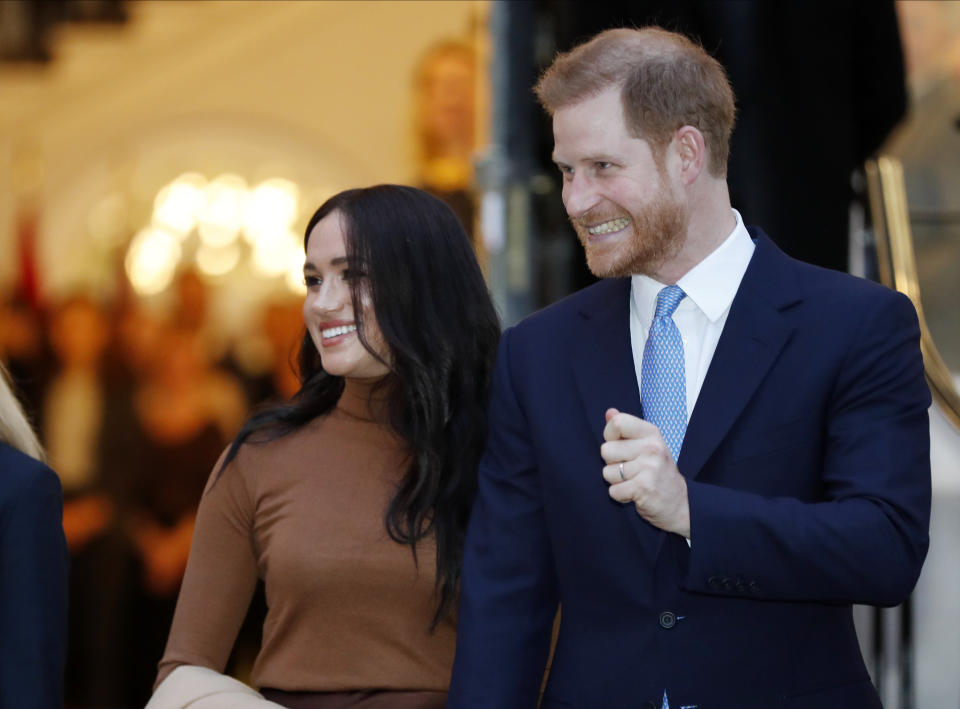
(663, 380)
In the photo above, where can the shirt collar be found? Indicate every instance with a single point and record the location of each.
(710, 285)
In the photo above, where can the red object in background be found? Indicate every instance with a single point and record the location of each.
(28, 275)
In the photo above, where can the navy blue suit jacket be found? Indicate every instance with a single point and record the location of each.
(807, 463)
(33, 584)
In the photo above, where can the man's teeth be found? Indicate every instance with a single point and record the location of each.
(339, 330)
(610, 226)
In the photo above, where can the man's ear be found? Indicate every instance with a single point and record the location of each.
(692, 151)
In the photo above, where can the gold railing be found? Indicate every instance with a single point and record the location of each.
(898, 268)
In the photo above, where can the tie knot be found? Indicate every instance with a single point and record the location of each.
(667, 301)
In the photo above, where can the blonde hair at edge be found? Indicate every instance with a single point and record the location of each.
(15, 429)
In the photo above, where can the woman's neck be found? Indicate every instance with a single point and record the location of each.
(365, 399)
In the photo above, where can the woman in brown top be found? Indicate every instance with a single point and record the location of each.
(351, 501)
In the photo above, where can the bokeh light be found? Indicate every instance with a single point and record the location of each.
(275, 252)
(152, 259)
(217, 260)
(294, 276)
(272, 207)
(218, 223)
(217, 212)
(177, 205)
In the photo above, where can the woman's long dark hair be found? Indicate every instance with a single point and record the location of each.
(435, 314)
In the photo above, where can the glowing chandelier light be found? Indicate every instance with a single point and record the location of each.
(271, 208)
(152, 260)
(218, 212)
(178, 203)
(218, 223)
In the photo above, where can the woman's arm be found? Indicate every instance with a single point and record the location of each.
(220, 577)
(33, 590)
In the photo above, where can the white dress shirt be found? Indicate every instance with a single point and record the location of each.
(710, 287)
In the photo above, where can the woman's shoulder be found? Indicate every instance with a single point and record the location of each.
(265, 445)
(22, 476)
(263, 454)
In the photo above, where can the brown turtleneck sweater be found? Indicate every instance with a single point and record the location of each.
(348, 608)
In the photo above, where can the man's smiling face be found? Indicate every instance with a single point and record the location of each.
(616, 191)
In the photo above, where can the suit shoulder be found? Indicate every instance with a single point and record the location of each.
(850, 307)
(849, 291)
(583, 301)
(24, 477)
(833, 289)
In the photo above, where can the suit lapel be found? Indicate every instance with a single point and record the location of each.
(753, 336)
(602, 363)
(601, 358)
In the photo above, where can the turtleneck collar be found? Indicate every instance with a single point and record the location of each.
(364, 399)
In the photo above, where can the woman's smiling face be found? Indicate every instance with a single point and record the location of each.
(328, 308)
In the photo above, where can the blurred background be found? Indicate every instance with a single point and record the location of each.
(159, 161)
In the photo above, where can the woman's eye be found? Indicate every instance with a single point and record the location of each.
(353, 274)
(310, 281)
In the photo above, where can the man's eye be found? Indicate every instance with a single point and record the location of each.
(603, 165)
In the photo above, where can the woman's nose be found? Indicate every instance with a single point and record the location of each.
(331, 296)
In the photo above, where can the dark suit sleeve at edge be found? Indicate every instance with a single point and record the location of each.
(509, 589)
(866, 542)
(33, 593)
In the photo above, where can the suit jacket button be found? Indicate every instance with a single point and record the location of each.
(715, 582)
(753, 586)
(667, 620)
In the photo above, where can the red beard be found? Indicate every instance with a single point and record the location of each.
(653, 236)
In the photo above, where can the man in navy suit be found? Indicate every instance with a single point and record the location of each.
(707, 457)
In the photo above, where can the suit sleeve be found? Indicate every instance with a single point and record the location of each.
(509, 595)
(33, 593)
(866, 540)
(220, 578)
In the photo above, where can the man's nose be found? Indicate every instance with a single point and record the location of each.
(579, 195)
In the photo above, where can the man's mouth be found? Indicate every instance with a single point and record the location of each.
(608, 227)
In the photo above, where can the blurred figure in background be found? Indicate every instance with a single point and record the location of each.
(81, 428)
(185, 412)
(73, 416)
(132, 422)
(220, 378)
(33, 566)
(190, 309)
(281, 324)
(445, 94)
(24, 352)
